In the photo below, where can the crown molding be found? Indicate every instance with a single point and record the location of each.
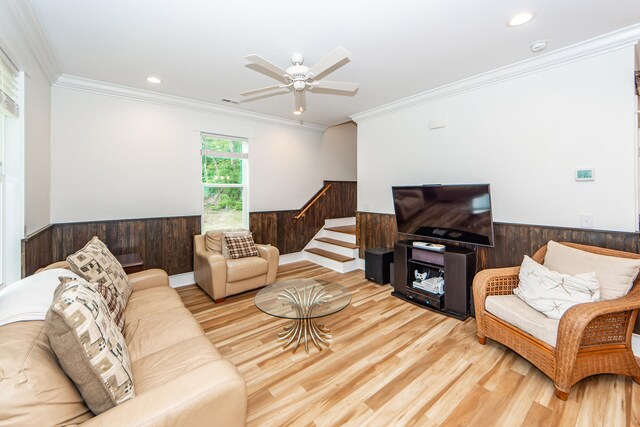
(35, 38)
(609, 42)
(110, 89)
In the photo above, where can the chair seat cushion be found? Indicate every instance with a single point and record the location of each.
(513, 310)
(246, 268)
(615, 274)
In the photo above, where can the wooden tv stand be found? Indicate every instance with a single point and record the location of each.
(458, 267)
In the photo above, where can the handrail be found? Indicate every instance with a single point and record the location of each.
(312, 201)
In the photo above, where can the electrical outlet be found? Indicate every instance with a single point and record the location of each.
(586, 221)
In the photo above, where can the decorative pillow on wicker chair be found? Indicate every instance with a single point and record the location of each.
(241, 246)
(615, 274)
(96, 264)
(213, 239)
(89, 346)
(553, 293)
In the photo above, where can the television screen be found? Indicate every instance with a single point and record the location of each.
(459, 213)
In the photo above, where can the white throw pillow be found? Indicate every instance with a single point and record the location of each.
(616, 275)
(31, 297)
(553, 293)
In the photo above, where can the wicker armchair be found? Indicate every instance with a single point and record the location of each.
(593, 338)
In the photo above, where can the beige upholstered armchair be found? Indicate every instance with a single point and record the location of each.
(221, 277)
(590, 338)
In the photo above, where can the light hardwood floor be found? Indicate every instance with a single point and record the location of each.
(392, 363)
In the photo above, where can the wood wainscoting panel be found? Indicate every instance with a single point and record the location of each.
(165, 243)
(289, 235)
(375, 230)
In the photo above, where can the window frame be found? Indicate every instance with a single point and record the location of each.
(243, 156)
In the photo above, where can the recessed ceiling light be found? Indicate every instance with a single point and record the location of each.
(520, 19)
(154, 80)
(539, 46)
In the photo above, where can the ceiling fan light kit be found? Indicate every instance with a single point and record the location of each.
(298, 78)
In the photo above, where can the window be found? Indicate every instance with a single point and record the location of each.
(10, 172)
(224, 182)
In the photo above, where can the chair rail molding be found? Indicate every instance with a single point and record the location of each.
(605, 43)
(103, 88)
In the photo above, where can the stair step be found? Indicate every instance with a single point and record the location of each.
(330, 255)
(346, 229)
(337, 242)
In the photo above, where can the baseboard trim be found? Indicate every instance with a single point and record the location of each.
(183, 279)
(290, 258)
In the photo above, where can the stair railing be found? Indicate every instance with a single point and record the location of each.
(321, 193)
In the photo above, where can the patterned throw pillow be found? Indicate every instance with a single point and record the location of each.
(553, 293)
(241, 246)
(89, 345)
(114, 305)
(96, 264)
(225, 247)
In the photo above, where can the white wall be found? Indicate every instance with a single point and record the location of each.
(115, 157)
(339, 152)
(525, 137)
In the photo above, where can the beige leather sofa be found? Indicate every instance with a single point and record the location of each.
(179, 376)
(221, 277)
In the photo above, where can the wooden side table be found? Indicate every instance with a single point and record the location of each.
(131, 263)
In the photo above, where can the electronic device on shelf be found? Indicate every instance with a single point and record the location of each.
(435, 285)
(430, 246)
(456, 213)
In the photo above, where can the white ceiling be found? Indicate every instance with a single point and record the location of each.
(398, 48)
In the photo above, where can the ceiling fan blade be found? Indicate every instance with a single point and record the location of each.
(264, 96)
(272, 69)
(301, 101)
(262, 89)
(334, 57)
(339, 86)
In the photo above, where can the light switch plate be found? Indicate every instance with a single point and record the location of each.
(586, 174)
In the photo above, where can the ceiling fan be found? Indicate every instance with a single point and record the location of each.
(300, 78)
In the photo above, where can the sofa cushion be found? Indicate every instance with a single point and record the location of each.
(34, 390)
(553, 293)
(162, 366)
(241, 246)
(89, 345)
(513, 310)
(615, 275)
(213, 238)
(161, 330)
(152, 301)
(246, 268)
(97, 264)
(30, 298)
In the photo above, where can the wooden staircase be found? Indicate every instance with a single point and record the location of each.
(335, 246)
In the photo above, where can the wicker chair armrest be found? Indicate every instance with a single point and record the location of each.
(581, 324)
(495, 281)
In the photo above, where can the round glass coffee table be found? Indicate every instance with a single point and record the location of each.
(303, 301)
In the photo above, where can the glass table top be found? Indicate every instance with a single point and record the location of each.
(303, 298)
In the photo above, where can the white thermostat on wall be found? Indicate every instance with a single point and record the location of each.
(586, 174)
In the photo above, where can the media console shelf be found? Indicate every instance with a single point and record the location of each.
(457, 266)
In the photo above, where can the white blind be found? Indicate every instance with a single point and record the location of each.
(8, 88)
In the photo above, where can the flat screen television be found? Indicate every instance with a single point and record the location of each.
(457, 213)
